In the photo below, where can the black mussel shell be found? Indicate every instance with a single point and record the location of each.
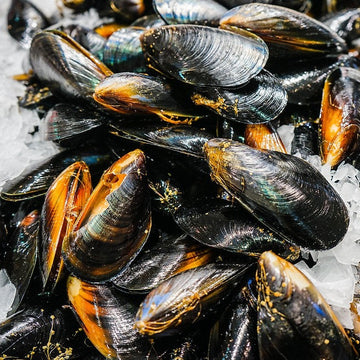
(128, 9)
(345, 23)
(19, 254)
(35, 331)
(148, 21)
(203, 12)
(339, 115)
(288, 33)
(234, 334)
(181, 300)
(304, 80)
(123, 52)
(184, 139)
(113, 225)
(259, 101)
(68, 124)
(204, 56)
(226, 226)
(36, 179)
(294, 320)
(24, 21)
(66, 67)
(299, 5)
(170, 254)
(107, 317)
(284, 192)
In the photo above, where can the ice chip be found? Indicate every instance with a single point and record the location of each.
(8, 294)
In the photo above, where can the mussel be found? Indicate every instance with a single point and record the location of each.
(107, 317)
(284, 192)
(204, 56)
(288, 33)
(64, 200)
(65, 66)
(261, 100)
(294, 320)
(128, 93)
(204, 12)
(186, 297)
(114, 223)
(339, 116)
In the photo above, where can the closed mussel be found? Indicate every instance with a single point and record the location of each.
(129, 93)
(65, 66)
(181, 300)
(205, 12)
(288, 33)
(259, 101)
(204, 56)
(284, 192)
(63, 202)
(222, 225)
(18, 258)
(107, 317)
(294, 320)
(339, 116)
(114, 223)
(170, 254)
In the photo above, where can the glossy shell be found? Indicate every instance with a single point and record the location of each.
(201, 56)
(107, 317)
(128, 93)
(284, 192)
(339, 116)
(65, 66)
(184, 298)
(205, 12)
(63, 202)
(114, 223)
(287, 32)
(294, 320)
(259, 101)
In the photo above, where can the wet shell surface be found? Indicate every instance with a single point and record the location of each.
(284, 192)
(287, 32)
(114, 223)
(204, 56)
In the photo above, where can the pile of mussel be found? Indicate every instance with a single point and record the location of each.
(169, 223)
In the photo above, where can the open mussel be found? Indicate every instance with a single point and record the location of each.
(288, 33)
(129, 93)
(339, 116)
(63, 202)
(203, 12)
(204, 56)
(261, 100)
(294, 320)
(107, 317)
(284, 192)
(181, 300)
(24, 21)
(65, 66)
(114, 223)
